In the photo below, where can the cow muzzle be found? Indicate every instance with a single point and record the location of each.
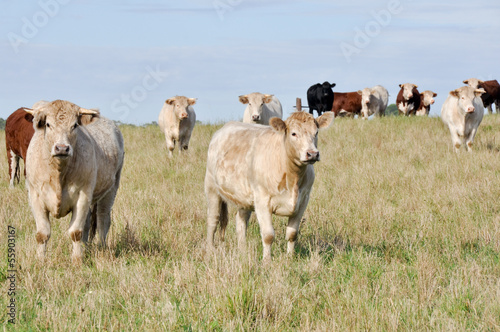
(62, 150)
(312, 156)
(470, 109)
(255, 118)
(184, 115)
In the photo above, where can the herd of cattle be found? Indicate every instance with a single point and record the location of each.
(74, 156)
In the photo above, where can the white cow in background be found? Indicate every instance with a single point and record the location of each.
(176, 120)
(462, 112)
(261, 108)
(374, 101)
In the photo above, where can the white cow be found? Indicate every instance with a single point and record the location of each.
(74, 162)
(261, 108)
(176, 120)
(462, 112)
(266, 169)
(374, 101)
(426, 100)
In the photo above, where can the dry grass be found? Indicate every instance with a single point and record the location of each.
(401, 233)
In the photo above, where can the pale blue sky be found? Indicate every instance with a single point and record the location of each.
(127, 57)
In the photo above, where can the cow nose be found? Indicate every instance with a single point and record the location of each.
(432, 101)
(312, 155)
(184, 116)
(470, 109)
(62, 149)
(255, 117)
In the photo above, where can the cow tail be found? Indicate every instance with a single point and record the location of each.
(93, 222)
(223, 219)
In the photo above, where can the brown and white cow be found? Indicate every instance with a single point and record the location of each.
(18, 133)
(73, 164)
(260, 108)
(266, 169)
(462, 112)
(426, 100)
(408, 99)
(176, 120)
(492, 94)
(346, 104)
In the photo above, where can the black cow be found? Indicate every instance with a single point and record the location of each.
(320, 97)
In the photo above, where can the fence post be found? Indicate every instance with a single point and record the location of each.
(298, 105)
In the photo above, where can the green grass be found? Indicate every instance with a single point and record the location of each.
(401, 233)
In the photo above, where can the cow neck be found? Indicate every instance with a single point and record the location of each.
(295, 170)
(61, 166)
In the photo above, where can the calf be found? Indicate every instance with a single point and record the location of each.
(492, 94)
(346, 104)
(73, 163)
(18, 133)
(320, 97)
(408, 99)
(426, 100)
(176, 120)
(462, 112)
(260, 108)
(374, 101)
(266, 169)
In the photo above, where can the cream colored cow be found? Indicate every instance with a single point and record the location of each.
(260, 108)
(266, 169)
(176, 120)
(73, 164)
(462, 112)
(374, 101)
(426, 100)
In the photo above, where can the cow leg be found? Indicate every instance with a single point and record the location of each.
(170, 146)
(242, 217)
(13, 168)
(497, 105)
(214, 212)
(292, 229)
(77, 225)
(490, 110)
(456, 140)
(265, 219)
(470, 140)
(42, 221)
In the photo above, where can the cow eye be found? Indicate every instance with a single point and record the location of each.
(48, 125)
(294, 134)
(75, 125)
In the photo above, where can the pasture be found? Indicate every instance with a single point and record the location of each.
(401, 233)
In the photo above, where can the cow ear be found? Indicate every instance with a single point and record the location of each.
(39, 119)
(332, 85)
(479, 92)
(170, 101)
(243, 99)
(277, 124)
(29, 115)
(88, 116)
(267, 98)
(434, 94)
(466, 81)
(415, 86)
(454, 93)
(191, 101)
(480, 81)
(401, 85)
(325, 120)
(360, 92)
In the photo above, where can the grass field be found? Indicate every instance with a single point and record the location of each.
(401, 233)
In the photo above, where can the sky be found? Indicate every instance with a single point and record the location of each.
(127, 57)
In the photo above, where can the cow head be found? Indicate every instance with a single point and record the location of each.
(408, 90)
(255, 103)
(366, 98)
(60, 121)
(427, 97)
(466, 96)
(474, 83)
(300, 132)
(327, 88)
(180, 105)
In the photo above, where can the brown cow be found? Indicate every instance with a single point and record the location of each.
(346, 104)
(408, 99)
(18, 133)
(492, 94)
